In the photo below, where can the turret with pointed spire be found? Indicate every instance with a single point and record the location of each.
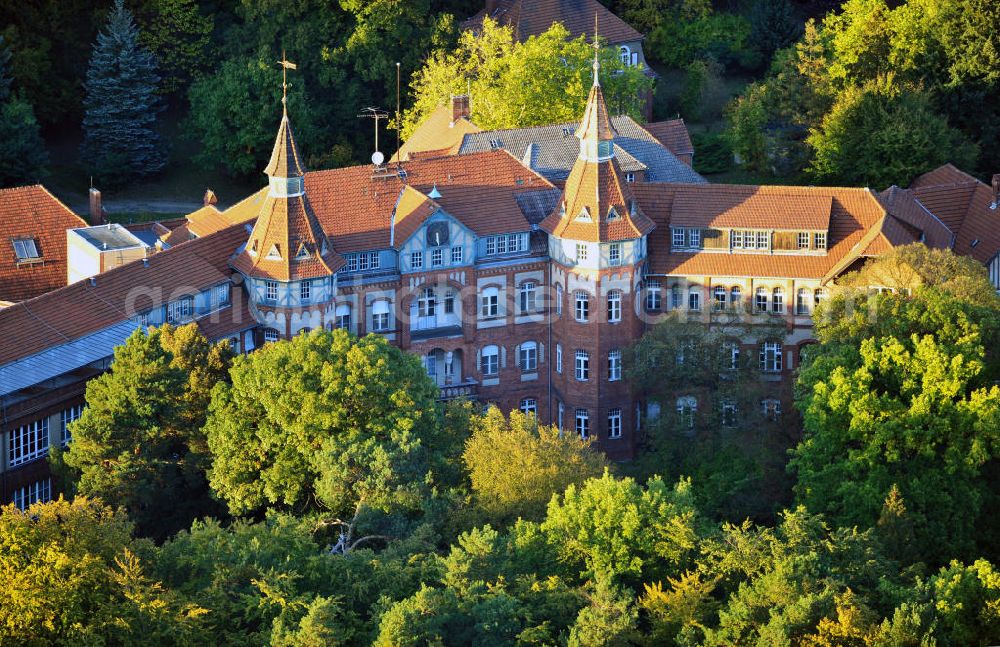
(287, 242)
(597, 204)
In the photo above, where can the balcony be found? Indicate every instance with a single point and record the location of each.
(468, 389)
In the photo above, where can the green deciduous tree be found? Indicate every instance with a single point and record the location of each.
(72, 574)
(900, 393)
(516, 465)
(325, 421)
(178, 34)
(541, 81)
(120, 132)
(881, 134)
(139, 442)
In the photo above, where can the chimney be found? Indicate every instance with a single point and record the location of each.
(459, 107)
(996, 191)
(96, 208)
(209, 198)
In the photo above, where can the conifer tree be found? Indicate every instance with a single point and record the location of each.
(122, 103)
(22, 152)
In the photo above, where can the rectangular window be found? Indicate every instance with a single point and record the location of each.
(271, 290)
(614, 306)
(694, 238)
(489, 303)
(615, 254)
(763, 240)
(614, 365)
(737, 238)
(802, 239)
(25, 249)
(819, 240)
(28, 442)
(437, 257)
(630, 177)
(501, 244)
(491, 245)
(582, 423)
(678, 238)
(582, 306)
(456, 255)
(581, 252)
(615, 423)
(270, 335)
(729, 412)
(37, 492)
(526, 296)
(380, 316)
(67, 416)
(582, 365)
(694, 300)
(222, 294)
(305, 291)
(529, 406)
(559, 358)
(179, 311)
(416, 260)
(675, 298)
(653, 295)
(770, 357)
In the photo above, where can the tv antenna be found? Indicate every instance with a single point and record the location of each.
(376, 114)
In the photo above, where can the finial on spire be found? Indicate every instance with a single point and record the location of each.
(285, 66)
(597, 49)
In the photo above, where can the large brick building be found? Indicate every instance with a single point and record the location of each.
(513, 289)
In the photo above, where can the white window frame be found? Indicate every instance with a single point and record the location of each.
(770, 357)
(343, 316)
(38, 492)
(614, 365)
(694, 299)
(271, 335)
(615, 254)
(28, 442)
(305, 291)
(581, 252)
(526, 297)
(802, 240)
(528, 357)
(559, 359)
(615, 423)
(582, 366)
(819, 240)
(761, 300)
(778, 301)
(614, 306)
(687, 407)
(582, 417)
(416, 260)
(489, 362)
(528, 406)
(66, 416)
(271, 290)
(427, 303)
(381, 311)
(489, 302)
(654, 295)
(719, 295)
(457, 254)
(678, 238)
(581, 306)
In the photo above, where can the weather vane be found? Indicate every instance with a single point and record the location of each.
(285, 66)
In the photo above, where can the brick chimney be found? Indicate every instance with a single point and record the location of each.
(996, 191)
(96, 207)
(209, 198)
(460, 107)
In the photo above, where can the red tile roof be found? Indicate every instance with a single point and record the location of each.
(34, 325)
(673, 134)
(533, 17)
(33, 212)
(355, 205)
(903, 204)
(436, 135)
(752, 207)
(853, 213)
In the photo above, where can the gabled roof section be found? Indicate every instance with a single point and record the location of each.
(854, 213)
(438, 134)
(32, 213)
(533, 17)
(554, 150)
(412, 210)
(285, 161)
(673, 134)
(903, 205)
(483, 191)
(752, 207)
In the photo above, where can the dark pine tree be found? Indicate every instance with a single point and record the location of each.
(23, 157)
(122, 103)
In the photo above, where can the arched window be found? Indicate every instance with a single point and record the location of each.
(778, 301)
(614, 306)
(625, 54)
(271, 335)
(760, 300)
(770, 357)
(802, 302)
(687, 406)
(719, 298)
(344, 316)
(675, 297)
(615, 423)
(818, 295)
(489, 362)
(582, 365)
(527, 356)
(489, 302)
(735, 296)
(614, 365)
(381, 311)
(694, 299)
(582, 423)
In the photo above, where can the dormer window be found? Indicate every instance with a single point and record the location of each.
(819, 240)
(495, 144)
(26, 250)
(566, 132)
(605, 149)
(303, 253)
(584, 216)
(613, 215)
(274, 254)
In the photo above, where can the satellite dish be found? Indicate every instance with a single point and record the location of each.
(377, 158)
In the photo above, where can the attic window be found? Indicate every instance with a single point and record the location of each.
(495, 144)
(402, 173)
(613, 214)
(302, 253)
(26, 250)
(584, 216)
(565, 132)
(975, 241)
(274, 254)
